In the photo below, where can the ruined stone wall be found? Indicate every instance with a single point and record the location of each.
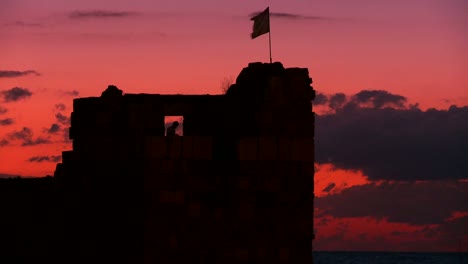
(236, 188)
(257, 208)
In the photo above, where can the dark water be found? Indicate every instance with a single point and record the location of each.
(389, 258)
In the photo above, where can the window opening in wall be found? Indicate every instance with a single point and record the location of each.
(173, 125)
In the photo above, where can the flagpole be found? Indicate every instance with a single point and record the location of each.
(269, 38)
(269, 33)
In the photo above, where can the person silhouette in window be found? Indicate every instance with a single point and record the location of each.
(171, 131)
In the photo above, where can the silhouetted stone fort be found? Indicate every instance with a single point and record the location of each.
(237, 187)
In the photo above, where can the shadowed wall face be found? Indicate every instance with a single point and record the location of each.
(237, 187)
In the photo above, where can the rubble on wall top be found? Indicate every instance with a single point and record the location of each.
(254, 83)
(112, 91)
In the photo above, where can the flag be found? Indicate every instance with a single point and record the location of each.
(261, 23)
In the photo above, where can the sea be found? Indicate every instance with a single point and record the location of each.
(329, 257)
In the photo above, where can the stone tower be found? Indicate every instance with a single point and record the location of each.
(237, 187)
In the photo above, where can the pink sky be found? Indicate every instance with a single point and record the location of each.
(414, 48)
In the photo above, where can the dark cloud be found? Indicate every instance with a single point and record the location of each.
(3, 110)
(101, 14)
(4, 142)
(399, 233)
(37, 141)
(66, 134)
(415, 203)
(366, 99)
(452, 232)
(60, 107)
(23, 24)
(54, 129)
(290, 16)
(73, 93)
(62, 125)
(45, 158)
(320, 99)
(62, 119)
(337, 100)
(15, 94)
(13, 74)
(23, 134)
(296, 16)
(394, 144)
(379, 99)
(6, 122)
(26, 137)
(5, 175)
(443, 237)
(329, 187)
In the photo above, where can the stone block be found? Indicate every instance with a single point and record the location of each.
(202, 148)
(68, 157)
(267, 148)
(284, 255)
(152, 168)
(156, 147)
(246, 212)
(89, 104)
(104, 149)
(285, 148)
(270, 182)
(247, 149)
(175, 197)
(103, 120)
(187, 147)
(167, 167)
(193, 210)
(303, 149)
(174, 147)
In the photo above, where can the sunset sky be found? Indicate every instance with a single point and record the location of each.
(391, 171)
